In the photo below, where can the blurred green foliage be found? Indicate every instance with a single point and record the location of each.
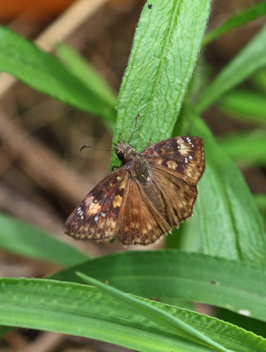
(227, 227)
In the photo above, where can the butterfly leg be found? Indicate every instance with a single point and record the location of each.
(148, 144)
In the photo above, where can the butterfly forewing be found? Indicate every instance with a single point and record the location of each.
(183, 157)
(96, 217)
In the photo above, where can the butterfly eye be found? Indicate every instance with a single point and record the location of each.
(120, 155)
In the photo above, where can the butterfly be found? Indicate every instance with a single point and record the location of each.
(144, 198)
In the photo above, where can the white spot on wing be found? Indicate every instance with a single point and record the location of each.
(96, 218)
(80, 213)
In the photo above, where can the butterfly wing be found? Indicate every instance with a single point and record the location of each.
(137, 207)
(139, 221)
(183, 157)
(178, 196)
(117, 207)
(96, 216)
(176, 165)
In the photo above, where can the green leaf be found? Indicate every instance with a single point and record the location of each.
(155, 314)
(228, 220)
(21, 238)
(251, 58)
(86, 73)
(84, 311)
(256, 326)
(245, 105)
(47, 74)
(246, 16)
(4, 330)
(162, 61)
(246, 148)
(258, 79)
(261, 200)
(173, 274)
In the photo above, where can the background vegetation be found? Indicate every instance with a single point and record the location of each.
(176, 83)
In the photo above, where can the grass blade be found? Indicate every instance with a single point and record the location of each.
(246, 16)
(85, 311)
(181, 275)
(86, 73)
(170, 323)
(24, 239)
(244, 105)
(47, 74)
(251, 58)
(246, 148)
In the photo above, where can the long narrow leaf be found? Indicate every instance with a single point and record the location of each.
(162, 318)
(245, 105)
(251, 58)
(228, 221)
(84, 311)
(246, 148)
(86, 73)
(246, 16)
(172, 274)
(162, 61)
(47, 74)
(261, 200)
(24, 239)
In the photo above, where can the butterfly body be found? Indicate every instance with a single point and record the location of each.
(143, 199)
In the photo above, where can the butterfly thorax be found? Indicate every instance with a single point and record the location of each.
(134, 162)
(125, 152)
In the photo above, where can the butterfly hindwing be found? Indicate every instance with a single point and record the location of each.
(178, 196)
(139, 221)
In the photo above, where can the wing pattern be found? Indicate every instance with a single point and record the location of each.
(142, 200)
(96, 217)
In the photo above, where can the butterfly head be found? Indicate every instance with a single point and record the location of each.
(124, 151)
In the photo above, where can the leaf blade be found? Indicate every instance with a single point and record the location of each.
(84, 311)
(251, 58)
(226, 206)
(245, 16)
(162, 60)
(185, 276)
(170, 323)
(47, 74)
(24, 239)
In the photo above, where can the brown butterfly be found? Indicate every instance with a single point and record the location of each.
(143, 199)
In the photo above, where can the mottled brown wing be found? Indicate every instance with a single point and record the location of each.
(139, 221)
(96, 216)
(178, 196)
(182, 157)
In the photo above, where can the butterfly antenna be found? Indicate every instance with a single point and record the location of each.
(89, 146)
(122, 137)
(136, 120)
(149, 143)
